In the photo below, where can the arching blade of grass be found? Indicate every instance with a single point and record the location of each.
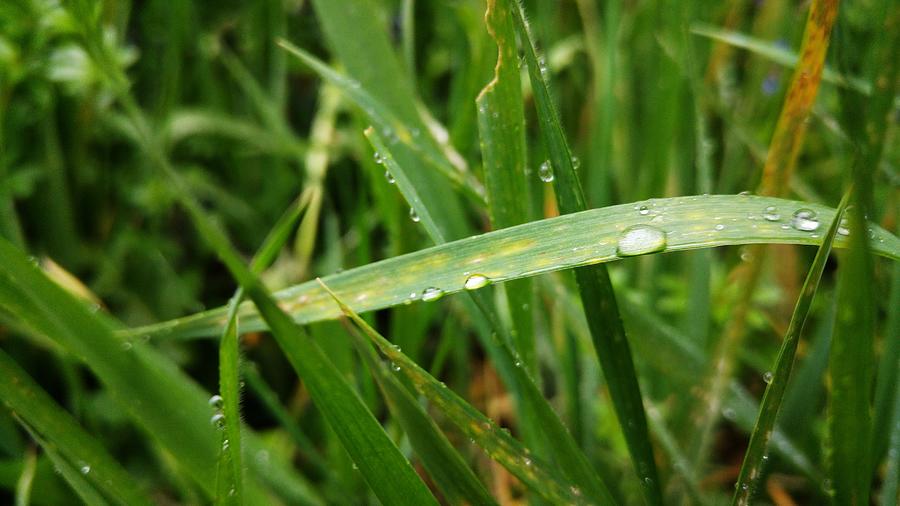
(751, 469)
(59, 432)
(451, 474)
(597, 295)
(501, 126)
(538, 247)
(500, 446)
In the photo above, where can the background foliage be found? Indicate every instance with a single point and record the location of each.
(147, 149)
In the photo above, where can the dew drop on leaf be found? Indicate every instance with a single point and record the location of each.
(545, 172)
(476, 281)
(640, 240)
(805, 220)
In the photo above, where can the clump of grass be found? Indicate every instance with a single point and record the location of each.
(427, 173)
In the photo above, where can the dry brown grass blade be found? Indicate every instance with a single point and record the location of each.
(791, 127)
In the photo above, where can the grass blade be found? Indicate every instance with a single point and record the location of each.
(539, 247)
(499, 445)
(387, 472)
(751, 469)
(61, 433)
(453, 477)
(501, 121)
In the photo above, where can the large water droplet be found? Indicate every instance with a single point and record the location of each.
(640, 240)
(413, 215)
(843, 227)
(432, 293)
(218, 420)
(805, 220)
(476, 281)
(216, 401)
(771, 214)
(545, 172)
(767, 377)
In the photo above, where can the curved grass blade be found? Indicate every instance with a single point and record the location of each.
(501, 126)
(451, 474)
(500, 446)
(751, 469)
(59, 432)
(539, 247)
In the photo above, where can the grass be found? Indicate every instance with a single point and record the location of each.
(160, 165)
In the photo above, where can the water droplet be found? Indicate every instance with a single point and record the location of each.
(575, 491)
(805, 220)
(395, 367)
(745, 487)
(216, 401)
(225, 445)
(648, 480)
(644, 211)
(545, 172)
(432, 293)
(767, 377)
(771, 214)
(218, 420)
(389, 177)
(720, 227)
(85, 468)
(729, 413)
(527, 461)
(476, 281)
(745, 193)
(640, 240)
(126, 345)
(378, 158)
(413, 215)
(518, 363)
(843, 227)
(576, 162)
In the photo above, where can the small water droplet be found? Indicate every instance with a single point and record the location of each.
(85, 469)
(217, 420)
(648, 480)
(729, 413)
(745, 193)
(576, 162)
(644, 210)
(575, 491)
(767, 377)
(216, 401)
(389, 177)
(413, 215)
(545, 172)
(527, 461)
(720, 227)
(476, 281)
(378, 158)
(771, 214)
(843, 227)
(518, 363)
(745, 487)
(395, 367)
(640, 240)
(432, 293)
(805, 220)
(126, 345)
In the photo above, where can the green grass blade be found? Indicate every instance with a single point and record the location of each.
(539, 247)
(229, 363)
(501, 125)
(539, 423)
(26, 479)
(451, 474)
(499, 445)
(776, 53)
(751, 469)
(890, 489)
(163, 401)
(386, 471)
(59, 431)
